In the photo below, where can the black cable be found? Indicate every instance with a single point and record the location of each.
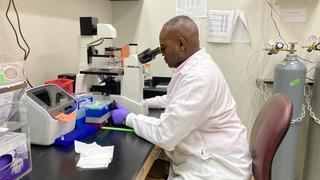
(274, 22)
(15, 32)
(98, 43)
(26, 53)
(18, 20)
(305, 59)
(29, 83)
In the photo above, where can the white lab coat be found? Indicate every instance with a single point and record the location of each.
(199, 129)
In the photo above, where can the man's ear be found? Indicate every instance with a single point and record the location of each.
(182, 44)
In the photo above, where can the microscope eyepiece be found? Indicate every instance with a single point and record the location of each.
(148, 55)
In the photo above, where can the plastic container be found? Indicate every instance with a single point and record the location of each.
(11, 70)
(98, 120)
(15, 161)
(97, 113)
(15, 149)
(113, 61)
(97, 109)
(66, 84)
(83, 99)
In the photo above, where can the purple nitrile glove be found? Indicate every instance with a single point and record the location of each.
(119, 115)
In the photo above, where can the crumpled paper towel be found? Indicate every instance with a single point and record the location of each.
(93, 155)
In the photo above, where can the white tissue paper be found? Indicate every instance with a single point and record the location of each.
(93, 155)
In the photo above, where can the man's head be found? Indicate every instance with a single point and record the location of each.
(179, 39)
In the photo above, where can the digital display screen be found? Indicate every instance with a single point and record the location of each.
(43, 95)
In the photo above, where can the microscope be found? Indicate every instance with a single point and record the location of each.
(123, 84)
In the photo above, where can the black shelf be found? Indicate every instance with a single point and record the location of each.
(102, 71)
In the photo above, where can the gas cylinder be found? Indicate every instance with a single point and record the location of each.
(312, 158)
(289, 78)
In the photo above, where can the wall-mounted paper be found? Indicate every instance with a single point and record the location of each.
(294, 15)
(220, 26)
(240, 29)
(227, 27)
(192, 8)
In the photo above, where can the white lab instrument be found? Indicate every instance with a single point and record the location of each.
(132, 81)
(130, 76)
(51, 113)
(104, 31)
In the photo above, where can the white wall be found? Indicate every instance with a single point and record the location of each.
(51, 28)
(141, 22)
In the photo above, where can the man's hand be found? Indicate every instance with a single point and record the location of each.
(119, 115)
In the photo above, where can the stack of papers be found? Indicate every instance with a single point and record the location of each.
(93, 155)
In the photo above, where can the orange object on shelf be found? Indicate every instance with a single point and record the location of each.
(66, 117)
(66, 84)
(124, 54)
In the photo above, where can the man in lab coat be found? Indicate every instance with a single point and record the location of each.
(199, 129)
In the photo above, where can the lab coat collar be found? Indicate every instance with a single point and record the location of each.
(202, 50)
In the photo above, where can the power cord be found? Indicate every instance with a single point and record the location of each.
(274, 22)
(26, 51)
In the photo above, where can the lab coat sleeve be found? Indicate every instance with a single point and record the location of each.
(185, 112)
(156, 102)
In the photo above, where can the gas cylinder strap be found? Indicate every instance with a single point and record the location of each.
(307, 94)
(302, 115)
